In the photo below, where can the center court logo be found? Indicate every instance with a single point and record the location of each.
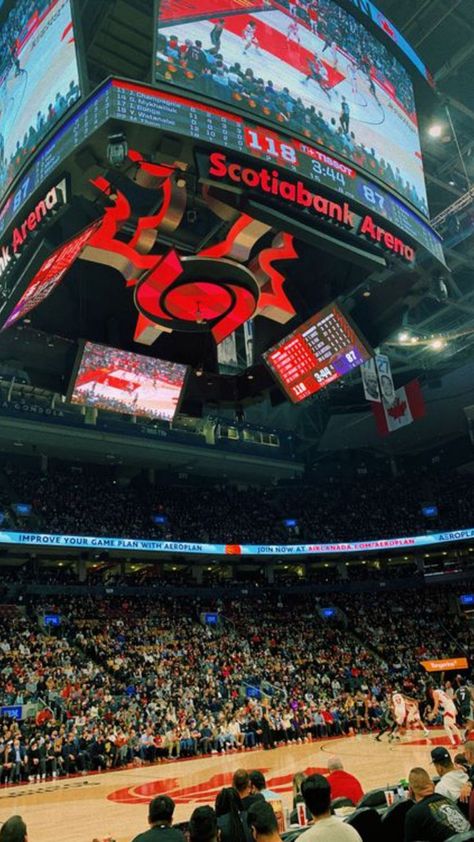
(200, 793)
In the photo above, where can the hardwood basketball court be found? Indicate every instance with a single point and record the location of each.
(77, 809)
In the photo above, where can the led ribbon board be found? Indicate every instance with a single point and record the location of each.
(143, 545)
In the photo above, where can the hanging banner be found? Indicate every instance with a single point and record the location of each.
(370, 381)
(407, 405)
(227, 351)
(248, 336)
(384, 374)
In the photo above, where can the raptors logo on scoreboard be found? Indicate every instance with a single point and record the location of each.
(216, 290)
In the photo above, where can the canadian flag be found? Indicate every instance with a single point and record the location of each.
(407, 405)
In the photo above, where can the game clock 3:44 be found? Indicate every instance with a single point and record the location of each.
(320, 170)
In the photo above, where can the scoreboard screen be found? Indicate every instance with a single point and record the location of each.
(39, 78)
(317, 353)
(311, 69)
(205, 125)
(120, 381)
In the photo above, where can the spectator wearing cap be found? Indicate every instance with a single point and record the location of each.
(203, 825)
(325, 828)
(259, 785)
(451, 780)
(262, 822)
(433, 817)
(160, 817)
(342, 783)
(14, 830)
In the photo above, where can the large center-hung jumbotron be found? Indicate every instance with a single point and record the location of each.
(276, 142)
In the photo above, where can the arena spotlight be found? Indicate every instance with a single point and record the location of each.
(403, 336)
(435, 130)
(438, 343)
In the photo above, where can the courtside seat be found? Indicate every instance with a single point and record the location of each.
(368, 824)
(342, 801)
(373, 798)
(393, 821)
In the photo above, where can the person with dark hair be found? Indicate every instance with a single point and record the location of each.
(345, 115)
(203, 825)
(243, 786)
(216, 33)
(160, 817)
(328, 828)
(231, 817)
(263, 823)
(259, 785)
(14, 830)
(464, 699)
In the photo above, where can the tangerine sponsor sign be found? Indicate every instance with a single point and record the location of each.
(445, 664)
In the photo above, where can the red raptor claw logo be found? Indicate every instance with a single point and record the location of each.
(218, 289)
(202, 793)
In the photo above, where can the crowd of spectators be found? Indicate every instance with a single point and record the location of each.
(141, 680)
(207, 69)
(12, 33)
(14, 25)
(72, 501)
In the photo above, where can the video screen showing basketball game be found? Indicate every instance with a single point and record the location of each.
(305, 65)
(39, 78)
(120, 381)
(323, 349)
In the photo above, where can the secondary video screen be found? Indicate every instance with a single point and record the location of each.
(307, 65)
(120, 381)
(320, 351)
(39, 78)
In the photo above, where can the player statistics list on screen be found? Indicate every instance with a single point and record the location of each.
(322, 350)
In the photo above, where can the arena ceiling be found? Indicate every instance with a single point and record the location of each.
(443, 34)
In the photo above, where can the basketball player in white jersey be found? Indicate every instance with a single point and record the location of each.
(249, 36)
(352, 72)
(406, 714)
(399, 708)
(413, 720)
(293, 32)
(444, 705)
